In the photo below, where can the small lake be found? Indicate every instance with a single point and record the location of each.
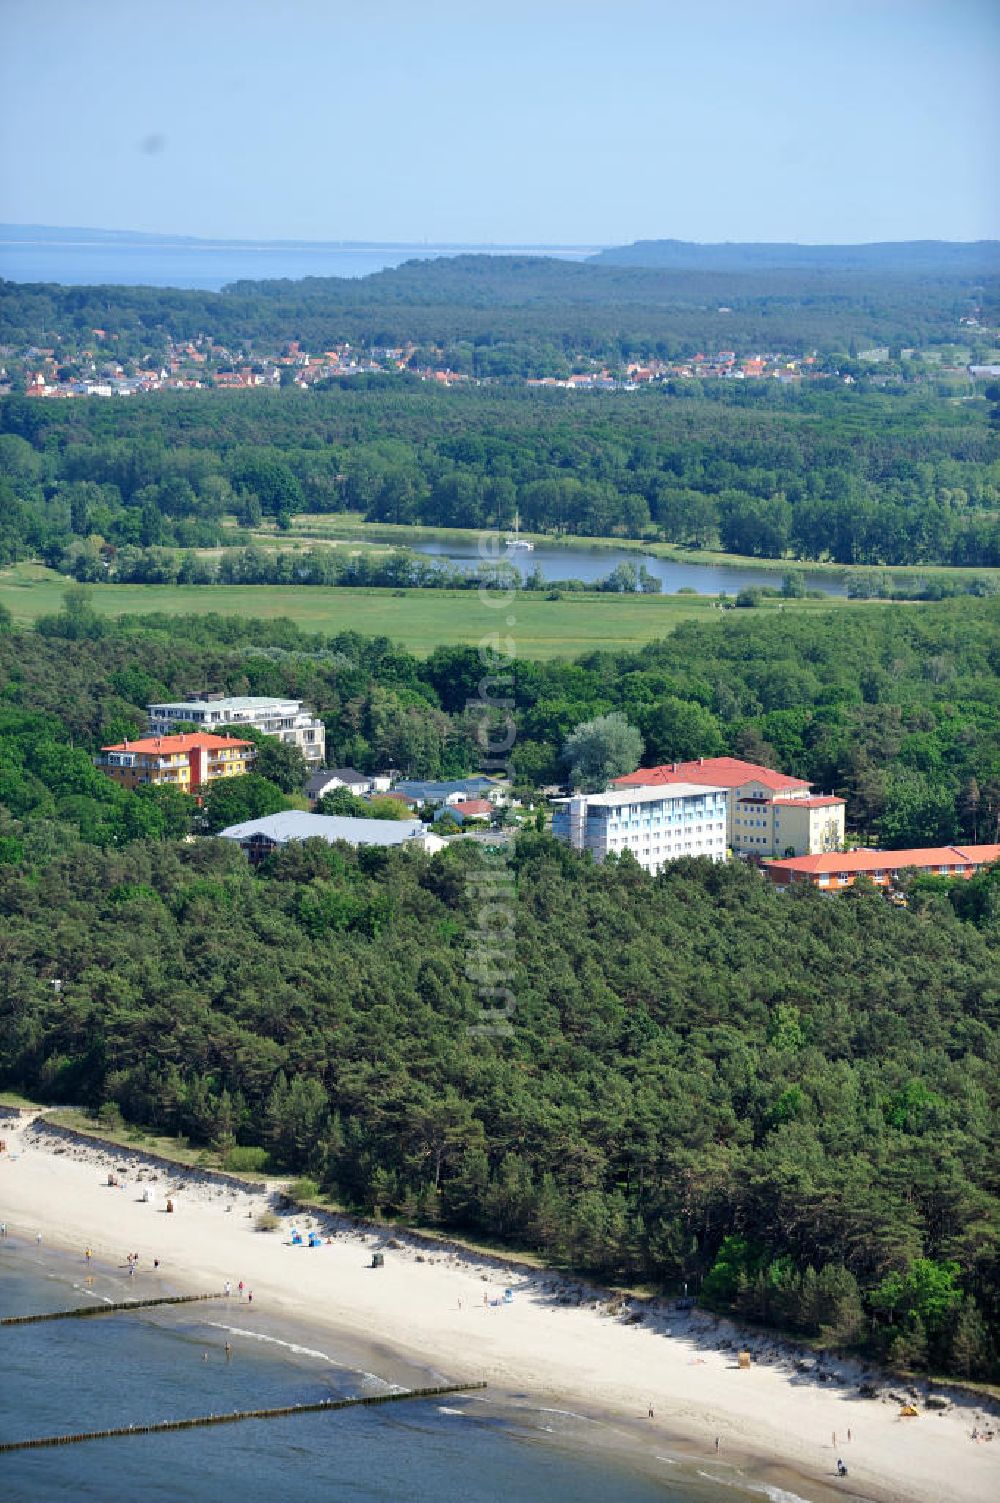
(590, 564)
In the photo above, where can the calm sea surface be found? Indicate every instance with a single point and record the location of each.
(595, 563)
(63, 1376)
(204, 265)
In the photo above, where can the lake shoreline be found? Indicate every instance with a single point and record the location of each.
(391, 534)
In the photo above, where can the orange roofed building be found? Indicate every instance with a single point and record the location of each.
(185, 761)
(768, 813)
(883, 867)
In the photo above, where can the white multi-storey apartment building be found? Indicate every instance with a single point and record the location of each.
(656, 824)
(288, 719)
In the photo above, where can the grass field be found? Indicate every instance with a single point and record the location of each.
(418, 619)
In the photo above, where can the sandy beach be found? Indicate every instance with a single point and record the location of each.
(559, 1341)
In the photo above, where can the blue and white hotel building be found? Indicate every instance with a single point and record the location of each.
(656, 824)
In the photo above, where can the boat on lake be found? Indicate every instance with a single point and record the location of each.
(517, 541)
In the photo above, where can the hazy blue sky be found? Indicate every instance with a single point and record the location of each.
(511, 121)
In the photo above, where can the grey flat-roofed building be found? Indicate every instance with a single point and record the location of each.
(288, 719)
(259, 837)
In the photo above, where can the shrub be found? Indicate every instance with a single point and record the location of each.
(247, 1160)
(110, 1117)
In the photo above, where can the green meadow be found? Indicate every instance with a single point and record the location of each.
(418, 619)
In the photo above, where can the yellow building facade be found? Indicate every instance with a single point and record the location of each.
(186, 762)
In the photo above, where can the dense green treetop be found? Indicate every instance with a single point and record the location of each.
(821, 471)
(786, 1099)
(532, 303)
(789, 1096)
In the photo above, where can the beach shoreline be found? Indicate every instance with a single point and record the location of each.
(440, 1310)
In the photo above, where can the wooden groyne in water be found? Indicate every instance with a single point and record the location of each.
(368, 1401)
(83, 1312)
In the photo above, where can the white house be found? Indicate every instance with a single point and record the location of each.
(361, 784)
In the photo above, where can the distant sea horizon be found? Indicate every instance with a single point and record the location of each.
(88, 257)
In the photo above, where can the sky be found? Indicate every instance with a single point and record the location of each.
(550, 122)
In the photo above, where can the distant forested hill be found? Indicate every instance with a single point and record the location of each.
(935, 257)
(536, 305)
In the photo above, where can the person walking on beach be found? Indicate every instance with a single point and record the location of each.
(651, 1411)
(249, 1296)
(718, 1442)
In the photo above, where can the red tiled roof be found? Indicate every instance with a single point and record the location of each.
(474, 806)
(854, 862)
(723, 772)
(188, 741)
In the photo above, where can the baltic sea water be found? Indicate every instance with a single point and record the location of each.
(64, 1376)
(118, 261)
